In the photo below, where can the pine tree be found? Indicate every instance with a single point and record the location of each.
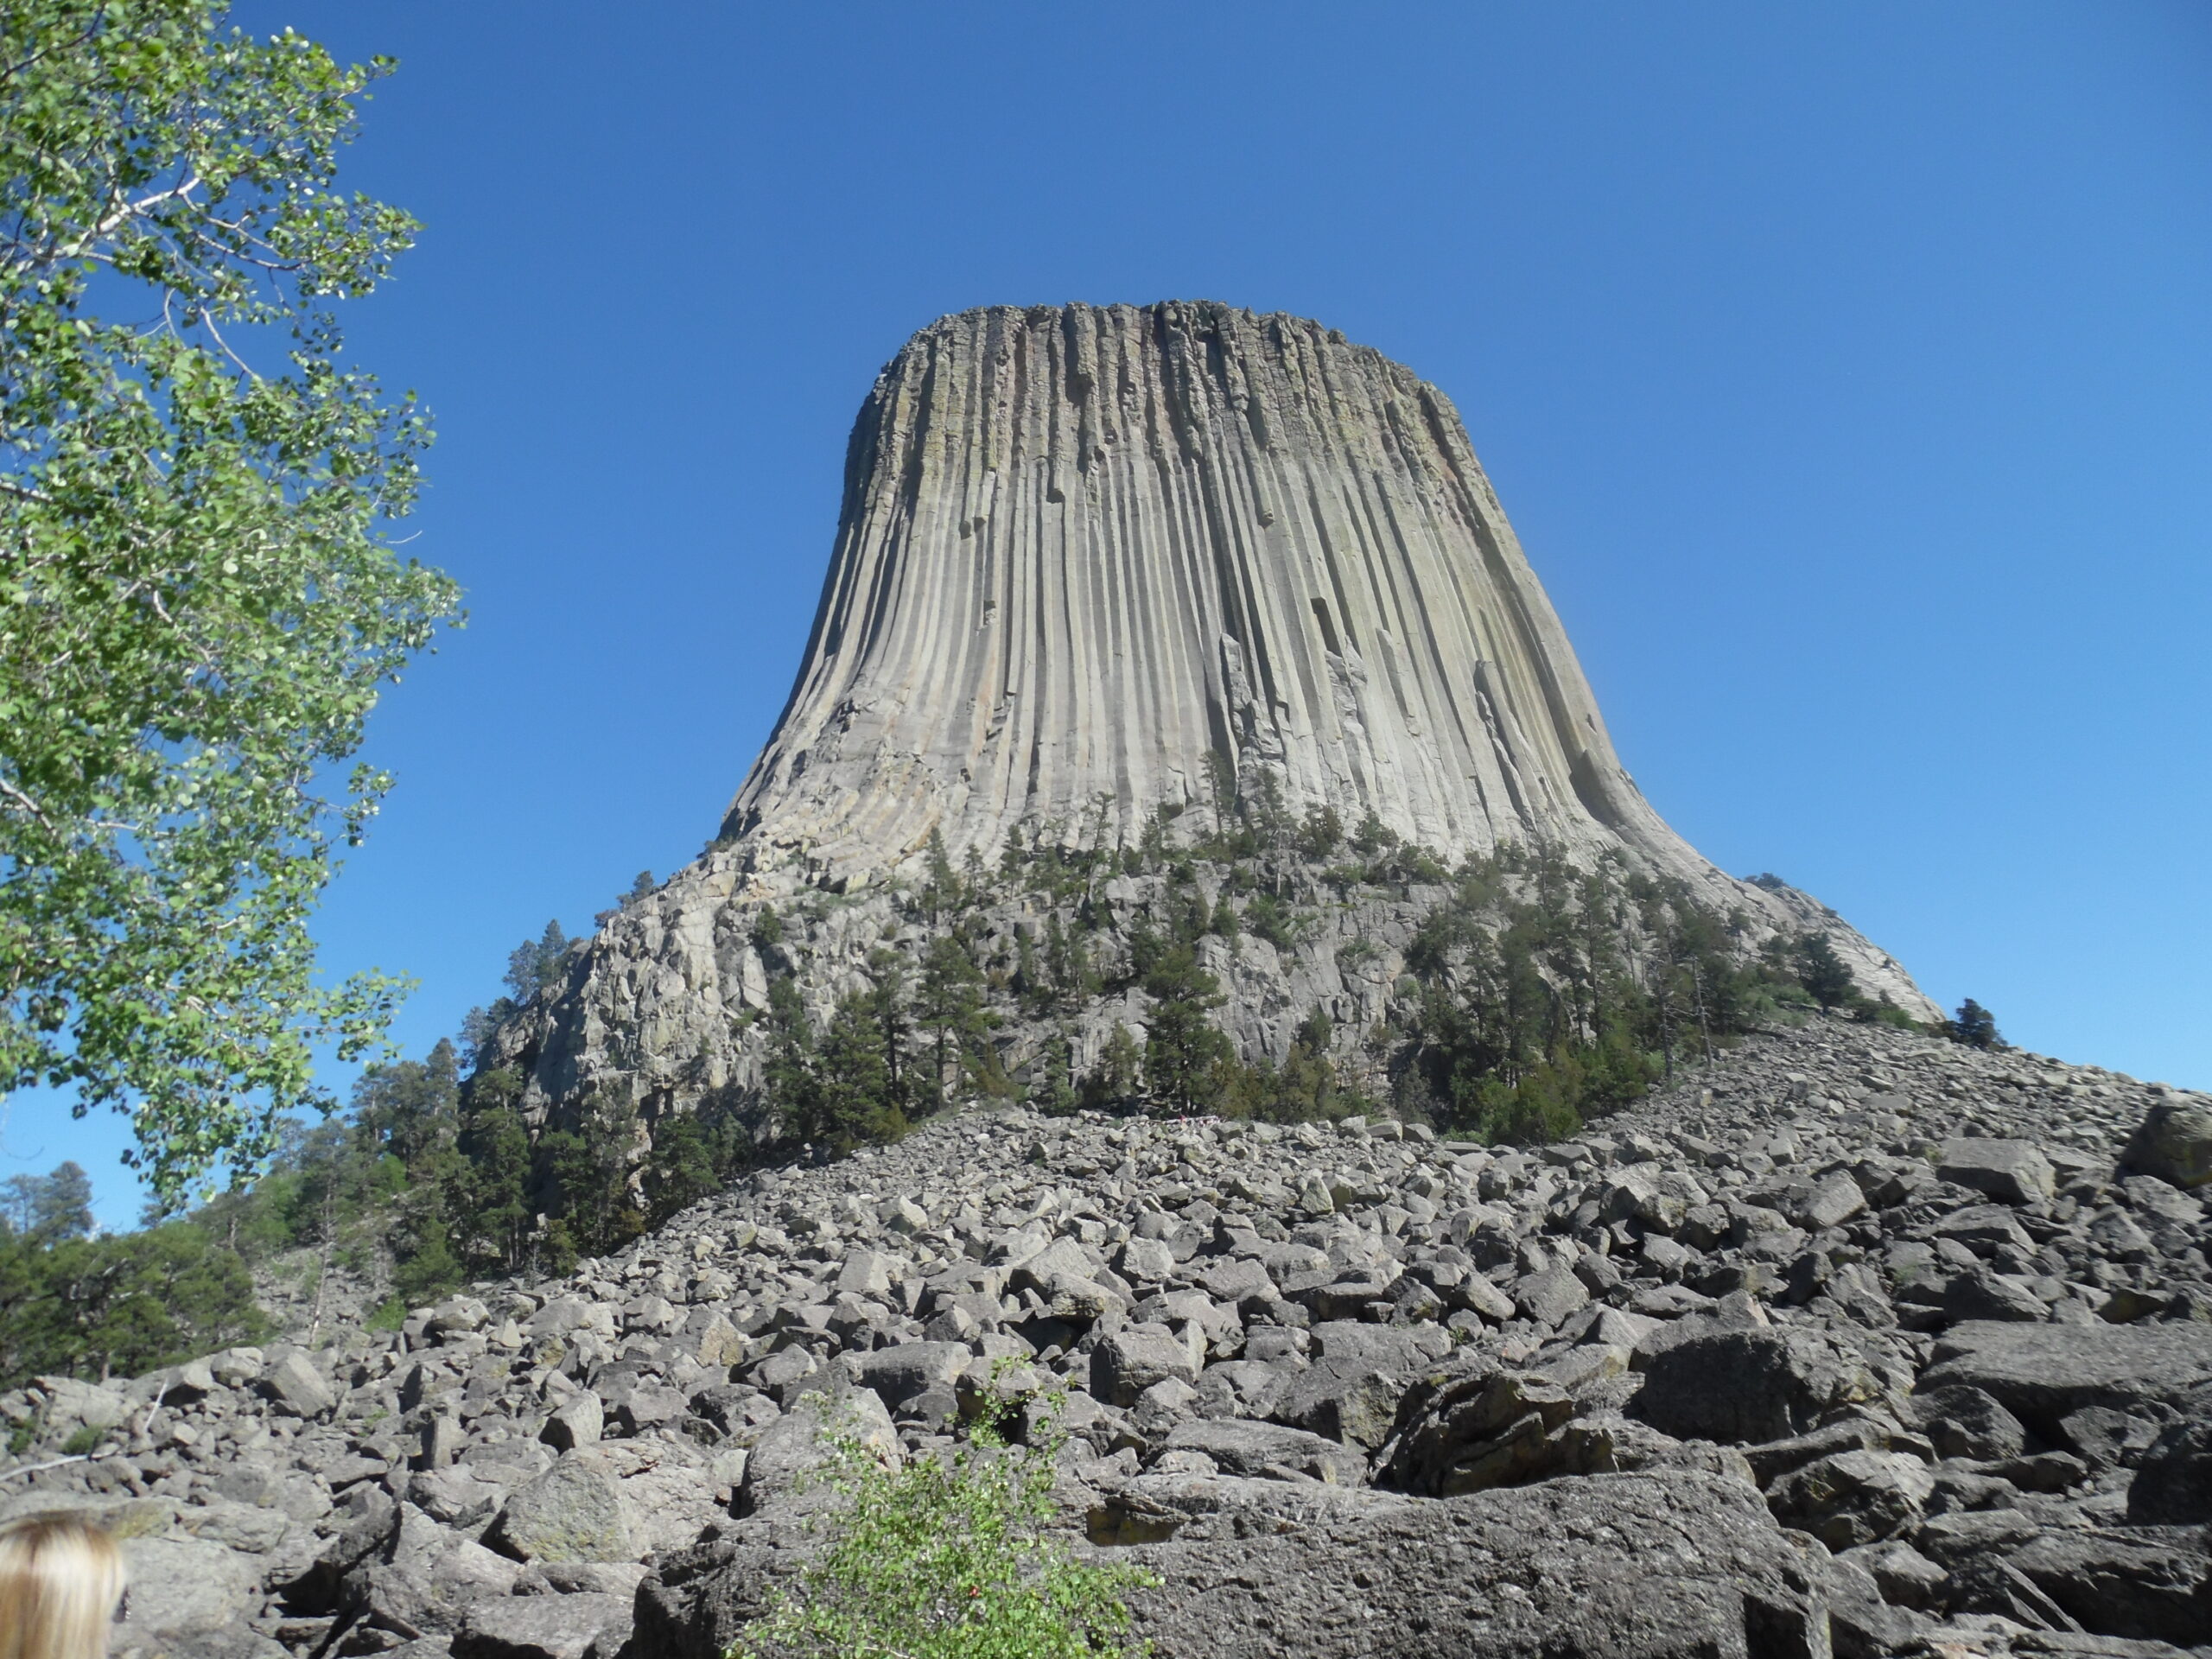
(1823, 972)
(1182, 1048)
(1974, 1026)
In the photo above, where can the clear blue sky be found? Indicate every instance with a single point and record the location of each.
(1846, 370)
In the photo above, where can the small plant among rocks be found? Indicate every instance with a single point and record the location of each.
(949, 1557)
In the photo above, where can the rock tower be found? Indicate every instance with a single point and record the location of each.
(1097, 568)
(1098, 559)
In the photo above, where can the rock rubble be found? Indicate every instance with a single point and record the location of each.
(1853, 1342)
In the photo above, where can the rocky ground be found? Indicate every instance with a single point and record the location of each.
(1853, 1343)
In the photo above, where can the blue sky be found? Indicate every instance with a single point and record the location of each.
(1847, 371)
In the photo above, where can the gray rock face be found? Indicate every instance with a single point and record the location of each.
(545, 1627)
(573, 1512)
(1083, 547)
(2045, 1375)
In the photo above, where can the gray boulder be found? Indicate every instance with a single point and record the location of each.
(2151, 1585)
(544, 1627)
(2173, 1480)
(898, 1373)
(1855, 1497)
(2173, 1143)
(804, 1440)
(1743, 1386)
(1964, 1422)
(2012, 1172)
(1270, 1449)
(184, 1587)
(2043, 1373)
(1133, 1359)
(573, 1512)
(1615, 1567)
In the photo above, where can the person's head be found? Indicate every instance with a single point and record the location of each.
(60, 1580)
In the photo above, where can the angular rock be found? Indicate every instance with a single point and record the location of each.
(2043, 1373)
(1672, 1566)
(1750, 1385)
(1851, 1498)
(573, 1512)
(185, 1586)
(802, 1441)
(2174, 1143)
(1271, 1450)
(2012, 1172)
(1130, 1361)
(578, 1420)
(898, 1373)
(544, 1627)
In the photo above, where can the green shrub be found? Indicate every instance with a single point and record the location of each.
(85, 1440)
(948, 1558)
(388, 1315)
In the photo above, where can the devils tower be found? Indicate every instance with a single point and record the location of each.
(1086, 551)
(1100, 569)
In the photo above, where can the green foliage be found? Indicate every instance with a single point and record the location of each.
(1118, 1075)
(83, 1440)
(47, 1208)
(120, 1304)
(199, 600)
(534, 964)
(388, 1315)
(1183, 1053)
(1545, 996)
(1974, 1026)
(948, 1557)
(1825, 975)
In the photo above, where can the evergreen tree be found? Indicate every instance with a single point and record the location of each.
(48, 1209)
(1974, 1026)
(1182, 1048)
(953, 1012)
(1823, 972)
(1119, 1073)
(491, 1192)
(536, 963)
(788, 1070)
(854, 1088)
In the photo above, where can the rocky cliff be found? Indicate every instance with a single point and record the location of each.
(1097, 568)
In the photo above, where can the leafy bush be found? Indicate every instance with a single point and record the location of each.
(948, 1558)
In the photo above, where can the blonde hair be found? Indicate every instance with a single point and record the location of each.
(60, 1578)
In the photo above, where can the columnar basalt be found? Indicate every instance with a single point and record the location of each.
(1095, 560)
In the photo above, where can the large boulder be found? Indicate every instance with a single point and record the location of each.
(1238, 1447)
(1750, 1385)
(185, 1586)
(2012, 1172)
(807, 1438)
(1673, 1566)
(1613, 1567)
(2044, 1373)
(1134, 1358)
(573, 1512)
(2153, 1585)
(544, 1627)
(2173, 1143)
(2173, 1481)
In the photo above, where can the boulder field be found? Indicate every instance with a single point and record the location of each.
(1851, 1343)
